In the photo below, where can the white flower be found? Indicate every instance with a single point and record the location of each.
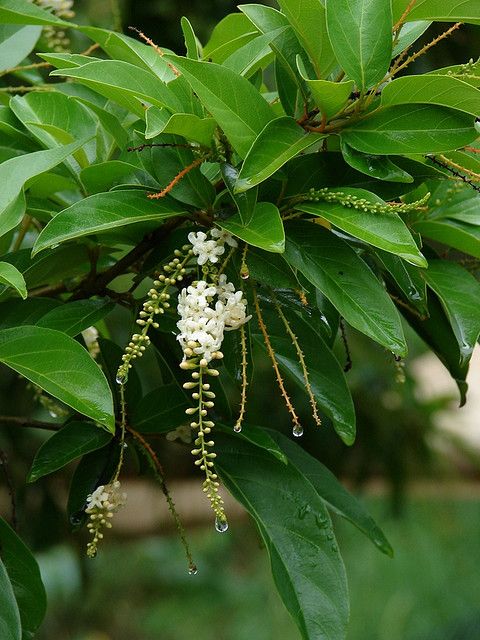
(206, 250)
(224, 237)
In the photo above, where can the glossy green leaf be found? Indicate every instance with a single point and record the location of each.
(104, 176)
(407, 278)
(281, 140)
(264, 229)
(161, 411)
(15, 312)
(25, 12)
(228, 35)
(411, 129)
(332, 492)
(271, 270)
(25, 579)
(104, 211)
(437, 333)
(19, 171)
(326, 377)
(66, 445)
(454, 233)
(432, 89)
(409, 33)
(258, 437)
(54, 118)
(385, 231)
(466, 72)
(459, 293)
(308, 19)
(333, 267)
(330, 97)
(12, 277)
(16, 42)
(10, 625)
(190, 38)
(124, 83)
(252, 56)
(463, 10)
(74, 317)
(232, 100)
(60, 366)
(245, 201)
(379, 167)
(361, 35)
(187, 125)
(297, 533)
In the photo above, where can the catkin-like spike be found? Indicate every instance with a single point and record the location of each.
(197, 162)
(301, 359)
(352, 201)
(243, 399)
(291, 409)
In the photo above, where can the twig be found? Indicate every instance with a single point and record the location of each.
(21, 421)
(401, 20)
(197, 162)
(454, 172)
(150, 42)
(11, 488)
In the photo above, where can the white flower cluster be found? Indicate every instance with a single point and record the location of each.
(206, 311)
(61, 8)
(210, 250)
(101, 505)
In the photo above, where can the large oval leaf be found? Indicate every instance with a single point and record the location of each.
(161, 411)
(73, 317)
(385, 231)
(464, 11)
(232, 100)
(60, 366)
(264, 229)
(411, 129)
(25, 578)
(16, 42)
(25, 12)
(280, 141)
(12, 277)
(71, 442)
(459, 293)
(361, 35)
(10, 625)
(332, 266)
(102, 212)
(297, 532)
(454, 233)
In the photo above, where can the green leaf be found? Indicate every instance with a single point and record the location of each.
(361, 35)
(410, 32)
(334, 494)
(251, 57)
(454, 233)
(16, 42)
(60, 366)
(104, 211)
(332, 266)
(66, 445)
(407, 278)
(325, 375)
(459, 293)
(19, 171)
(228, 35)
(264, 229)
(74, 317)
(307, 17)
(233, 101)
(258, 437)
(124, 83)
(410, 129)
(245, 201)
(53, 117)
(281, 140)
(25, 12)
(103, 176)
(161, 411)
(379, 167)
(12, 277)
(297, 532)
(433, 89)
(187, 125)
(330, 97)
(386, 231)
(18, 312)
(190, 38)
(10, 625)
(25, 579)
(462, 11)
(110, 359)
(271, 270)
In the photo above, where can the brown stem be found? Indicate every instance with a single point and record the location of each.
(22, 421)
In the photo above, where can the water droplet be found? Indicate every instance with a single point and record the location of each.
(53, 413)
(192, 570)
(53, 246)
(121, 378)
(237, 428)
(76, 519)
(221, 525)
(297, 431)
(125, 445)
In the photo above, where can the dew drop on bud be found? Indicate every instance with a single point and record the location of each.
(192, 570)
(237, 428)
(53, 413)
(298, 431)
(221, 525)
(121, 378)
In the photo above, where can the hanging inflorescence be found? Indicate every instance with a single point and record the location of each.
(351, 201)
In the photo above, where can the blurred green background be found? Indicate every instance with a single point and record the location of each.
(140, 589)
